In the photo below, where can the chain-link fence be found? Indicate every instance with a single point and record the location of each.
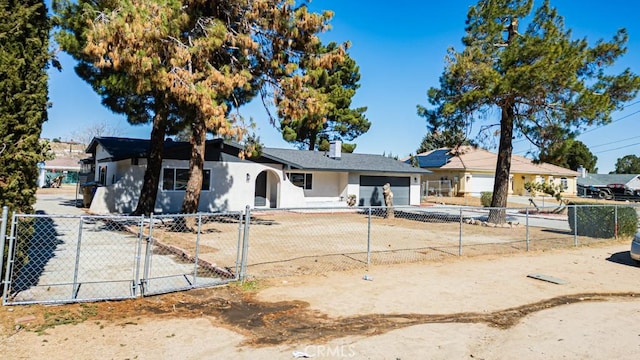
(53, 258)
(313, 241)
(189, 251)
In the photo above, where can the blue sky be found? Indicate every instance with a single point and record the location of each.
(400, 47)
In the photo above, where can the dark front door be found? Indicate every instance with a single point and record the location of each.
(260, 198)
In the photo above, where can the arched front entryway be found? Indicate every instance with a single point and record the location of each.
(267, 189)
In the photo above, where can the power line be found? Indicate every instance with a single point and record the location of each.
(614, 142)
(601, 126)
(618, 148)
(614, 121)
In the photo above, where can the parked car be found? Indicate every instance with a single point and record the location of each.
(635, 248)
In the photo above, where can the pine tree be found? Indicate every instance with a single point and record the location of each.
(339, 122)
(544, 85)
(206, 58)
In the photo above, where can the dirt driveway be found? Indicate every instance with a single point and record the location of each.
(478, 307)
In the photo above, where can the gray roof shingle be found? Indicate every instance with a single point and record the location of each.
(317, 160)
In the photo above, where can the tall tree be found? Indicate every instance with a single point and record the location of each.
(441, 132)
(123, 92)
(340, 122)
(207, 58)
(629, 164)
(442, 139)
(570, 154)
(544, 85)
(95, 129)
(24, 59)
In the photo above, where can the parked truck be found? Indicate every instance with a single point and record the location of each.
(619, 192)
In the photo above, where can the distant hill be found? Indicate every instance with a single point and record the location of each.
(68, 150)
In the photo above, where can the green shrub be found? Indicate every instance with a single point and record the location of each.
(599, 221)
(485, 198)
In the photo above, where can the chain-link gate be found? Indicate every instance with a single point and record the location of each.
(63, 259)
(191, 250)
(56, 259)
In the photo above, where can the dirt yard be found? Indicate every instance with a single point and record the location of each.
(305, 243)
(481, 307)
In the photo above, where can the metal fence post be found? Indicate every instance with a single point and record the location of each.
(460, 236)
(144, 282)
(369, 238)
(575, 225)
(138, 256)
(238, 246)
(615, 219)
(245, 244)
(76, 288)
(3, 234)
(527, 227)
(12, 240)
(195, 261)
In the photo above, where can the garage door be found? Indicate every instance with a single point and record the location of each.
(371, 190)
(480, 183)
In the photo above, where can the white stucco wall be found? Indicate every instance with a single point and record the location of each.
(326, 187)
(101, 153)
(230, 190)
(110, 173)
(121, 197)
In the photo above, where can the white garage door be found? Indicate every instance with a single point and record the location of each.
(480, 183)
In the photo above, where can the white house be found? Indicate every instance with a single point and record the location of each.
(278, 178)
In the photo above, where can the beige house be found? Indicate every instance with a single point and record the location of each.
(470, 171)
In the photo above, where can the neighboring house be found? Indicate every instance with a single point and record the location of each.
(66, 161)
(587, 181)
(279, 178)
(472, 170)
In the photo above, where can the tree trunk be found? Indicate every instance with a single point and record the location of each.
(312, 141)
(498, 214)
(149, 192)
(196, 164)
(503, 167)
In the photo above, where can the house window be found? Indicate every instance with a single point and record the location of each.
(302, 180)
(177, 179)
(103, 175)
(564, 183)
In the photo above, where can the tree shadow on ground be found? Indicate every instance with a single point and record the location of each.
(42, 241)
